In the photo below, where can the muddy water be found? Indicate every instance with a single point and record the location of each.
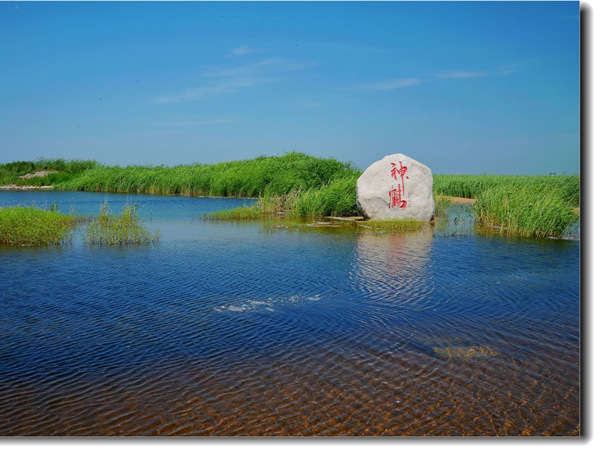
(232, 329)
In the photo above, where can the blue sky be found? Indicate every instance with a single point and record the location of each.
(464, 87)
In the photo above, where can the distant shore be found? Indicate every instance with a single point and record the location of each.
(14, 187)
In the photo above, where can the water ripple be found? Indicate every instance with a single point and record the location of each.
(225, 330)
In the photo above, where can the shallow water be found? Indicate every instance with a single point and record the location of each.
(233, 329)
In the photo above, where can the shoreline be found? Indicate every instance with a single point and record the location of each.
(14, 187)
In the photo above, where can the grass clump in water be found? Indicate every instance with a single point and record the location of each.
(29, 226)
(337, 198)
(442, 203)
(525, 211)
(394, 225)
(126, 229)
(267, 206)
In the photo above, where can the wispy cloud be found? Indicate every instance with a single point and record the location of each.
(508, 69)
(459, 74)
(239, 51)
(227, 80)
(260, 68)
(243, 50)
(225, 87)
(389, 85)
(188, 123)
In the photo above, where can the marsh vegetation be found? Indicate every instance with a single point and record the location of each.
(119, 230)
(301, 186)
(29, 226)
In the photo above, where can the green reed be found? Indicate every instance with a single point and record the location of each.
(525, 211)
(300, 185)
(249, 178)
(441, 205)
(10, 172)
(337, 198)
(472, 186)
(526, 205)
(121, 230)
(29, 226)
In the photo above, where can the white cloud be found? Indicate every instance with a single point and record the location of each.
(239, 51)
(508, 69)
(225, 87)
(265, 66)
(389, 85)
(233, 79)
(243, 50)
(462, 74)
(189, 123)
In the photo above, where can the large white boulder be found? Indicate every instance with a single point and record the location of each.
(396, 187)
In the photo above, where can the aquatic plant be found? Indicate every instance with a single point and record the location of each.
(303, 186)
(249, 178)
(527, 211)
(240, 213)
(441, 205)
(125, 229)
(29, 226)
(394, 225)
(337, 198)
(472, 186)
(526, 205)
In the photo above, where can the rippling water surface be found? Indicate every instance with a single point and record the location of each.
(235, 329)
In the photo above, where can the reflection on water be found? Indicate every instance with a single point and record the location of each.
(394, 268)
(224, 329)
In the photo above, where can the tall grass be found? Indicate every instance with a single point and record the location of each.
(337, 198)
(472, 186)
(29, 226)
(526, 205)
(249, 178)
(125, 229)
(525, 211)
(10, 172)
(304, 186)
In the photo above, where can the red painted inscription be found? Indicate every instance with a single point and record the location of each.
(396, 194)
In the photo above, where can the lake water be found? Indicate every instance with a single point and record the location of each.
(241, 329)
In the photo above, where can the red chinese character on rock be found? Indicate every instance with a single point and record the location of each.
(396, 194)
(400, 170)
(396, 198)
